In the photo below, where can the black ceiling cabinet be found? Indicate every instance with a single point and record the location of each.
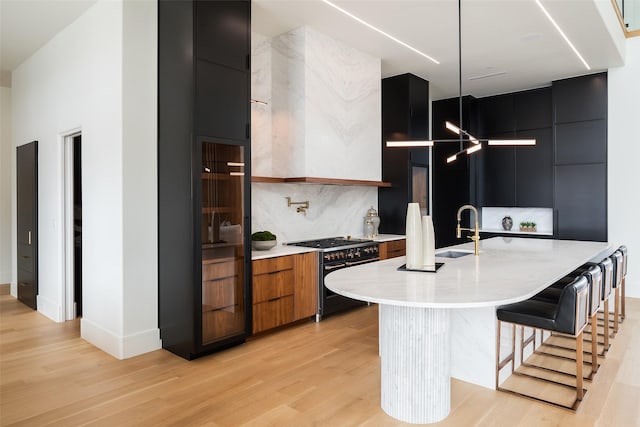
(204, 258)
(405, 115)
(566, 170)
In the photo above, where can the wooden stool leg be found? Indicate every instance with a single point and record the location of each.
(616, 310)
(622, 302)
(579, 390)
(498, 354)
(606, 327)
(594, 345)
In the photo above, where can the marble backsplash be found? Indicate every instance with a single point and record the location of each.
(334, 210)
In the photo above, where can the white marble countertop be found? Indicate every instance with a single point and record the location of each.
(508, 269)
(387, 237)
(280, 250)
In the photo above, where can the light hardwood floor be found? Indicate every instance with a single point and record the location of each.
(325, 374)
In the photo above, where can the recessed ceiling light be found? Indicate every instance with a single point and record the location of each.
(484, 76)
(389, 36)
(563, 34)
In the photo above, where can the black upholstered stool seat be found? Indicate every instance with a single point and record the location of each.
(536, 314)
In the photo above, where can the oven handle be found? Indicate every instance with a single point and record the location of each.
(349, 264)
(333, 267)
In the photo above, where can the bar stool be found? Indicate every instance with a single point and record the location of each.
(552, 295)
(569, 316)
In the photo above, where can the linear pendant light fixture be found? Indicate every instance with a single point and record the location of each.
(464, 136)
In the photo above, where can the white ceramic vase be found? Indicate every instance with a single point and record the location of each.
(414, 237)
(428, 244)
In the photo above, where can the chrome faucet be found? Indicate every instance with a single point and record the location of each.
(476, 230)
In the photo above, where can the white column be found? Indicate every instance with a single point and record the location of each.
(415, 360)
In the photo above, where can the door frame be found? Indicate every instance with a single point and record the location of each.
(68, 273)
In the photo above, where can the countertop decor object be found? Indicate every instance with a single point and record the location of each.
(263, 240)
(414, 236)
(375, 220)
(528, 226)
(507, 223)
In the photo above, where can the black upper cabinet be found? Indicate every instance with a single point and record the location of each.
(580, 98)
(405, 115)
(222, 33)
(533, 109)
(516, 176)
(221, 101)
(497, 115)
(534, 169)
(581, 142)
(223, 46)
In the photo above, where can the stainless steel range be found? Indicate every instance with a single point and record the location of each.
(336, 253)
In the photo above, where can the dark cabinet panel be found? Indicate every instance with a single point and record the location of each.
(222, 109)
(499, 174)
(580, 98)
(451, 181)
(222, 33)
(533, 109)
(534, 170)
(581, 202)
(405, 115)
(581, 142)
(497, 115)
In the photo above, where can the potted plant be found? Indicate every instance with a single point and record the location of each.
(263, 240)
(528, 226)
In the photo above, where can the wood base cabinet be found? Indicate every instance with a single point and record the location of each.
(285, 289)
(392, 249)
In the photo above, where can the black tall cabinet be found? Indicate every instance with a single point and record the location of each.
(580, 157)
(405, 115)
(204, 258)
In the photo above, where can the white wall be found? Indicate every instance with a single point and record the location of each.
(83, 78)
(6, 150)
(623, 155)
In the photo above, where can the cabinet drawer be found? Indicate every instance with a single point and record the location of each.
(219, 324)
(269, 314)
(270, 265)
(218, 268)
(272, 285)
(392, 249)
(220, 293)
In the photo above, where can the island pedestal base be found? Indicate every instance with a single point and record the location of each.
(415, 363)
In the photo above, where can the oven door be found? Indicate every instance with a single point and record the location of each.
(328, 301)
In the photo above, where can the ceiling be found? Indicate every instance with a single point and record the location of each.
(511, 37)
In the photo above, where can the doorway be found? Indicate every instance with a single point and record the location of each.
(73, 224)
(27, 222)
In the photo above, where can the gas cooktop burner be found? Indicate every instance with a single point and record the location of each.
(331, 242)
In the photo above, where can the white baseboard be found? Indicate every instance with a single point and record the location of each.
(50, 308)
(118, 346)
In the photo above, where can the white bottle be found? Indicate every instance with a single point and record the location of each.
(414, 237)
(428, 244)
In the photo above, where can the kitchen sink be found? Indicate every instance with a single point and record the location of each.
(452, 254)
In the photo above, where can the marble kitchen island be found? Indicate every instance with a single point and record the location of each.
(434, 326)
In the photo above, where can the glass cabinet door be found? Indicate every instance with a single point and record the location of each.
(222, 235)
